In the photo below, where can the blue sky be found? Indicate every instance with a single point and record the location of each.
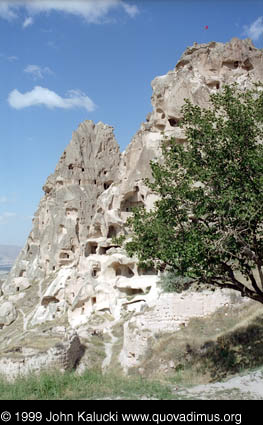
(64, 61)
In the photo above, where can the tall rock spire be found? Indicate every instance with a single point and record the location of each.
(70, 268)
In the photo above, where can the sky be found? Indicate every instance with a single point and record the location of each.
(66, 61)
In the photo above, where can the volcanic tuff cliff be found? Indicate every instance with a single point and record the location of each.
(70, 270)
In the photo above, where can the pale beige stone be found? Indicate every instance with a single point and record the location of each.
(70, 268)
(7, 313)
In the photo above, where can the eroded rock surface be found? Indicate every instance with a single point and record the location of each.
(64, 354)
(70, 268)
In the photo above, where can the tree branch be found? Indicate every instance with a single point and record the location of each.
(254, 284)
(245, 292)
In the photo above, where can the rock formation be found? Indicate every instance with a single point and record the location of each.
(70, 269)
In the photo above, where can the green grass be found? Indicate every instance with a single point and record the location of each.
(92, 384)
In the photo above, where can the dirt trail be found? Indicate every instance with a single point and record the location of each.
(242, 387)
(108, 351)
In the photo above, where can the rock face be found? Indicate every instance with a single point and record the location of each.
(70, 268)
(7, 313)
(65, 353)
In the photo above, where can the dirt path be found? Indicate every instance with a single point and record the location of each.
(108, 350)
(246, 387)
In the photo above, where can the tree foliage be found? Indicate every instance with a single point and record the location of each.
(208, 222)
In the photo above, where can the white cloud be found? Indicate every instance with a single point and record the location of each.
(132, 10)
(7, 10)
(91, 10)
(6, 215)
(9, 214)
(7, 199)
(255, 30)
(27, 22)
(52, 45)
(8, 58)
(43, 96)
(12, 58)
(37, 72)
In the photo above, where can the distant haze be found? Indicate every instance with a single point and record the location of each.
(8, 254)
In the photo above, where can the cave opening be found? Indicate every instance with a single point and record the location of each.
(112, 232)
(123, 270)
(91, 248)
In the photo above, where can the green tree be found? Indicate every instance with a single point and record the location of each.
(208, 222)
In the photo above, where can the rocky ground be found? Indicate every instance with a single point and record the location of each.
(244, 387)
